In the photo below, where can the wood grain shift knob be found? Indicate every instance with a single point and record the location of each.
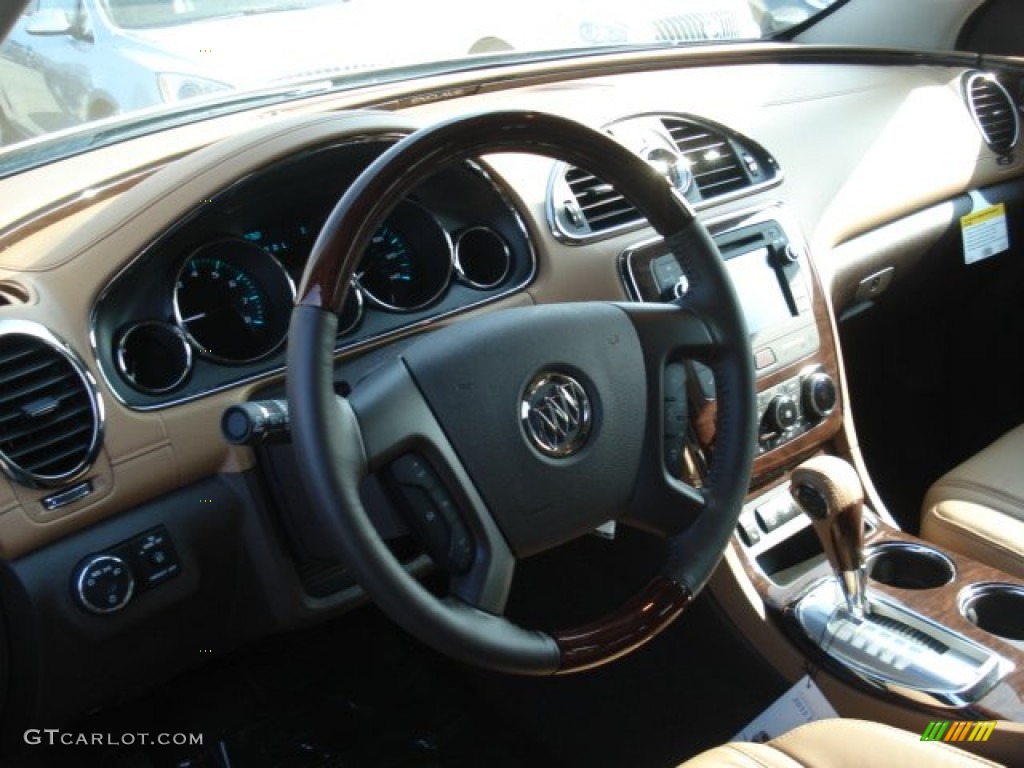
(828, 490)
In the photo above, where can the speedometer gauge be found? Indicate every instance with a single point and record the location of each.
(408, 263)
(232, 299)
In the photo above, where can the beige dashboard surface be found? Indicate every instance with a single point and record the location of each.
(859, 145)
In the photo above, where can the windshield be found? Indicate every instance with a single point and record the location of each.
(133, 14)
(67, 65)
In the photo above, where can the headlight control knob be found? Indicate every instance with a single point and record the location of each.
(782, 414)
(819, 393)
(103, 584)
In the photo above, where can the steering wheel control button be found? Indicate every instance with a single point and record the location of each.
(104, 584)
(556, 415)
(430, 511)
(674, 416)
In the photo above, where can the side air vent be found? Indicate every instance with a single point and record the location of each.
(706, 161)
(50, 414)
(993, 111)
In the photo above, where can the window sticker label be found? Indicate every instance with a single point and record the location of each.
(984, 233)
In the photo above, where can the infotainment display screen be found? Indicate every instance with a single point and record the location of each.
(759, 291)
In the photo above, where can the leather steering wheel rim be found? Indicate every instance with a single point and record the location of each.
(339, 441)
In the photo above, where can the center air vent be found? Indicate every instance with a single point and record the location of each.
(715, 164)
(993, 111)
(719, 164)
(597, 204)
(50, 414)
(13, 293)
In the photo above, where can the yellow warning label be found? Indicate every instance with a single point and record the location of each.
(985, 214)
(984, 233)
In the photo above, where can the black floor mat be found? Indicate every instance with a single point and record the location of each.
(356, 693)
(693, 687)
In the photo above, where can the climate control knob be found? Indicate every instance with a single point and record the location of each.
(782, 414)
(104, 584)
(819, 393)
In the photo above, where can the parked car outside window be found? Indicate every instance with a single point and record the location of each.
(69, 62)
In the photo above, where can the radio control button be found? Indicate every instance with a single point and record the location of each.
(784, 253)
(819, 393)
(782, 415)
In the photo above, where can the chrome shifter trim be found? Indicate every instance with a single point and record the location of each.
(898, 650)
(854, 587)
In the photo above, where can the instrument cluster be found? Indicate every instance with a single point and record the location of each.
(218, 312)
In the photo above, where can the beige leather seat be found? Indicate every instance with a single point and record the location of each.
(840, 743)
(977, 508)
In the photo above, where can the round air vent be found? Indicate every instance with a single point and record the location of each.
(993, 111)
(50, 413)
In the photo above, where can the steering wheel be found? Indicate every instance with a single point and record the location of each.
(511, 433)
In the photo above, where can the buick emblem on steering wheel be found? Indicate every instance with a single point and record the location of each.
(555, 413)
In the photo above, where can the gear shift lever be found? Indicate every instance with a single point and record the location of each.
(828, 490)
(881, 641)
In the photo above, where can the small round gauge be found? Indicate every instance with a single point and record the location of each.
(408, 263)
(482, 258)
(232, 299)
(154, 357)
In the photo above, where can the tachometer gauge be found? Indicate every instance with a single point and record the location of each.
(232, 299)
(408, 264)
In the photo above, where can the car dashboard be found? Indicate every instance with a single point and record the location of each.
(160, 298)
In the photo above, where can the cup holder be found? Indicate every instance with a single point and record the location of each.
(909, 566)
(995, 607)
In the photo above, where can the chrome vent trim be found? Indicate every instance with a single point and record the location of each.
(582, 208)
(715, 165)
(51, 416)
(599, 205)
(993, 111)
(13, 293)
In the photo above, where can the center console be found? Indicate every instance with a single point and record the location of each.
(791, 338)
(929, 630)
